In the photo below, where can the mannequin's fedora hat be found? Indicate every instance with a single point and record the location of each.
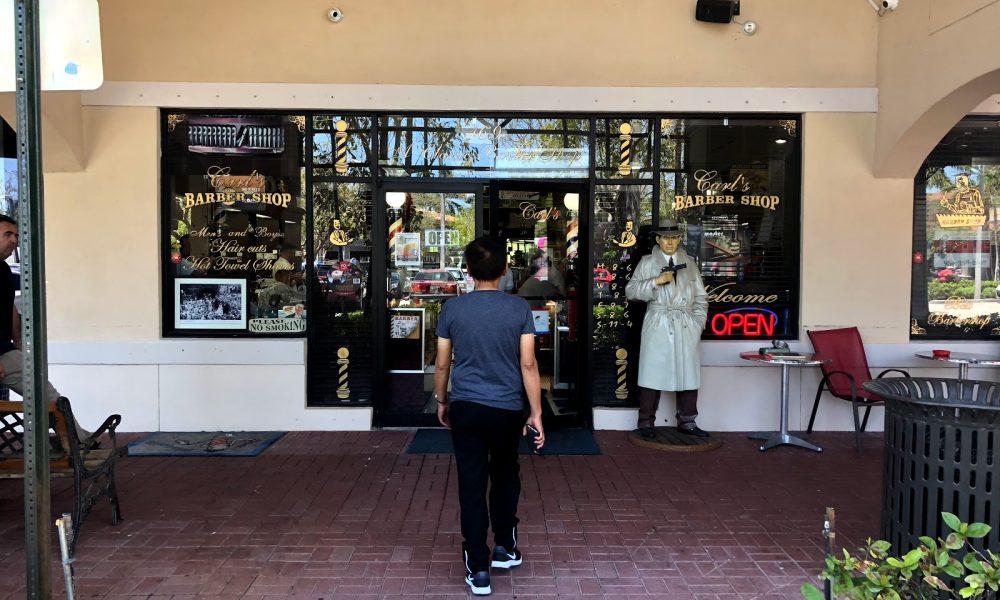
(668, 227)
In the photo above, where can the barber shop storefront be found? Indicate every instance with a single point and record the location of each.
(347, 230)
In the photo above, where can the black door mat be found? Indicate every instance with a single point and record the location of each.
(557, 442)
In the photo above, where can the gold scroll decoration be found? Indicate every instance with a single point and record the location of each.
(621, 391)
(299, 120)
(343, 392)
(174, 120)
(789, 126)
(625, 149)
(341, 147)
(916, 329)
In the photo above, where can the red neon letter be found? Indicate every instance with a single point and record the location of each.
(769, 324)
(718, 329)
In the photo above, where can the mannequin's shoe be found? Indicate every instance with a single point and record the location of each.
(693, 430)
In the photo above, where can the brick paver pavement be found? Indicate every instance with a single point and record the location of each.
(350, 515)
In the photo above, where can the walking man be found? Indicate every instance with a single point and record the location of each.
(492, 336)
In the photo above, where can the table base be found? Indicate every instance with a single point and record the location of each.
(777, 438)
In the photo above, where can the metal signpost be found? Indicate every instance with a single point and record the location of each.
(38, 551)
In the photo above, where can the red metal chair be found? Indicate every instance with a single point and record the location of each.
(846, 373)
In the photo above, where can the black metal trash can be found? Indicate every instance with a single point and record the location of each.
(942, 448)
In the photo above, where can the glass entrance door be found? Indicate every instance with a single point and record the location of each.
(540, 225)
(428, 229)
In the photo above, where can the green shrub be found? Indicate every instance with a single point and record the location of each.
(941, 290)
(920, 574)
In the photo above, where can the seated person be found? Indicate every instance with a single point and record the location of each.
(272, 299)
(538, 291)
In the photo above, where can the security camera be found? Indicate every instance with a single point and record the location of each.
(890, 4)
(336, 15)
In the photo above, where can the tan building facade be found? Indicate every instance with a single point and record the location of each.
(875, 93)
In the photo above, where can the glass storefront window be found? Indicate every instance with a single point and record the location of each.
(341, 146)
(736, 190)
(8, 170)
(622, 220)
(339, 359)
(244, 194)
(624, 148)
(235, 216)
(956, 262)
(483, 147)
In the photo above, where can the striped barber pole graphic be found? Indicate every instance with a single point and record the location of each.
(572, 239)
(396, 227)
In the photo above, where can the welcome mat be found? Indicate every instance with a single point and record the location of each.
(558, 441)
(205, 443)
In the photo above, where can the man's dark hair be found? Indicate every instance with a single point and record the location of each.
(485, 259)
(6, 219)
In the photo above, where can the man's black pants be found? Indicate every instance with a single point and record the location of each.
(486, 440)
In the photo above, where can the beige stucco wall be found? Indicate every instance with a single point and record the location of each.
(819, 43)
(102, 235)
(102, 223)
(936, 62)
(856, 232)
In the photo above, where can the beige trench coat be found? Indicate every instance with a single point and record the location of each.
(668, 353)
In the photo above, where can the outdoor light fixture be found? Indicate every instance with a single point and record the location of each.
(395, 199)
(716, 11)
(572, 201)
(780, 141)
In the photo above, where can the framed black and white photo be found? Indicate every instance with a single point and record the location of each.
(210, 303)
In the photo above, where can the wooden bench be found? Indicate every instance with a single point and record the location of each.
(92, 469)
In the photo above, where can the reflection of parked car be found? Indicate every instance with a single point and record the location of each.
(436, 282)
(326, 263)
(466, 283)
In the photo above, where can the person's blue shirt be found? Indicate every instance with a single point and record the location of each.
(485, 329)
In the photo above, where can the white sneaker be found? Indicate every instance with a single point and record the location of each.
(479, 583)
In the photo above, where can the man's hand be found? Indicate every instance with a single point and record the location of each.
(665, 278)
(443, 413)
(536, 422)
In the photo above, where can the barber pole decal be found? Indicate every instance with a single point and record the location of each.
(625, 162)
(343, 392)
(621, 392)
(341, 144)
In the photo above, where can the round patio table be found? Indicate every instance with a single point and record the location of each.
(963, 360)
(783, 437)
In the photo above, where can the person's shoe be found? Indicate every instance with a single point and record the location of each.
(479, 583)
(647, 433)
(693, 430)
(505, 559)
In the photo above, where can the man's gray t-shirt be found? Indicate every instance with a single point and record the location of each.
(485, 329)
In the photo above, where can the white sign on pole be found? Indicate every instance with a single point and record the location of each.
(70, 45)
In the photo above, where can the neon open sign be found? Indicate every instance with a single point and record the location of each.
(750, 322)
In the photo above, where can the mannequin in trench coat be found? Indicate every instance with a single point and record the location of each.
(671, 331)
